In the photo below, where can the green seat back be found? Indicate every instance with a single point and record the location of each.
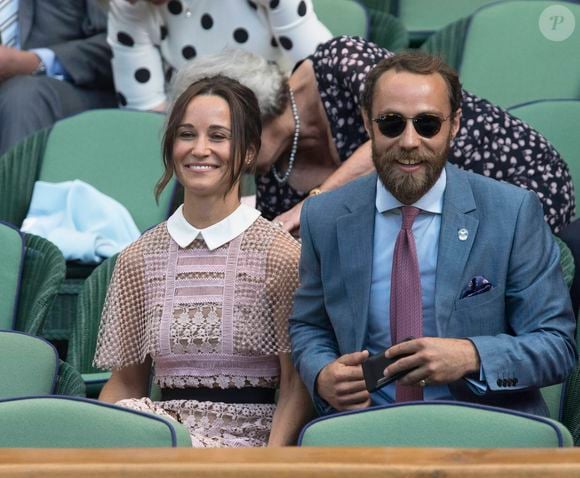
(571, 408)
(436, 424)
(42, 277)
(423, 17)
(508, 60)
(559, 122)
(553, 394)
(343, 17)
(66, 422)
(11, 258)
(116, 151)
(85, 328)
(387, 31)
(28, 365)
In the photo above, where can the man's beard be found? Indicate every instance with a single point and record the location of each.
(409, 187)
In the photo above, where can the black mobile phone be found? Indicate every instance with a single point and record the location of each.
(373, 369)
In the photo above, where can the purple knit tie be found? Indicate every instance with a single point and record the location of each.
(406, 306)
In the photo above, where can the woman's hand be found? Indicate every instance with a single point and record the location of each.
(290, 220)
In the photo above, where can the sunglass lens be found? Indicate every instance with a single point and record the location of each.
(427, 125)
(391, 125)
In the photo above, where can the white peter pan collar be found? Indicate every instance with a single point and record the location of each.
(215, 235)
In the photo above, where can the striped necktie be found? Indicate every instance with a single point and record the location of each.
(8, 22)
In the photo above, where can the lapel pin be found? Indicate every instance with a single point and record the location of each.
(463, 234)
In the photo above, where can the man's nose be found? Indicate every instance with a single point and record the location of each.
(409, 138)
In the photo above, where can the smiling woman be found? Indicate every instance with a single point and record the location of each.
(203, 299)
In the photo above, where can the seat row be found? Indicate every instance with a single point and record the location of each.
(30, 367)
(33, 415)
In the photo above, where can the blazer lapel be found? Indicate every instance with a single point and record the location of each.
(458, 231)
(25, 15)
(355, 243)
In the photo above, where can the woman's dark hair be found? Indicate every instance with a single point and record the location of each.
(413, 62)
(246, 126)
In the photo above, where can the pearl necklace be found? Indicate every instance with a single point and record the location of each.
(283, 178)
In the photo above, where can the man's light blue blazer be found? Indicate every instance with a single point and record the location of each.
(523, 328)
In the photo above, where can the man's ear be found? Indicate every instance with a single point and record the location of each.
(367, 124)
(455, 123)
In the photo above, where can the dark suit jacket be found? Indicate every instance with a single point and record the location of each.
(523, 328)
(76, 31)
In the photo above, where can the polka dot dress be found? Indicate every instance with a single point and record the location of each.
(150, 42)
(490, 141)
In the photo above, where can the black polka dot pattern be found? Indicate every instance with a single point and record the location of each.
(175, 7)
(121, 99)
(241, 35)
(274, 4)
(188, 52)
(252, 5)
(273, 42)
(163, 32)
(125, 39)
(302, 8)
(142, 75)
(490, 141)
(286, 43)
(206, 21)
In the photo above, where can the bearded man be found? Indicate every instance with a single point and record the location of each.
(453, 276)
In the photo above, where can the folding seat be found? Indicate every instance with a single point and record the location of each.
(30, 366)
(116, 151)
(343, 17)
(85, 328)
(422, 18)
(363, 18)
(32, 272)
(512, 52)
(435, 424)
(68, 422)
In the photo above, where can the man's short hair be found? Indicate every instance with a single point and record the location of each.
(413, 62)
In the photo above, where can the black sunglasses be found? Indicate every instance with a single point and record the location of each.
(392, 125)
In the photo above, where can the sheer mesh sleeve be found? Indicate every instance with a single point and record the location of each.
(281, 283)
(121, 339)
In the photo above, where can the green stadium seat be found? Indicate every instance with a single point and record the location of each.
(32, 272)
(67, 422)
(506, 51)
(85, 328)
(422, 18)
(343, 17)
(435, 424)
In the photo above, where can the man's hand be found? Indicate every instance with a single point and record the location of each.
(341, 382)
(16, 62)
(437, 361)
(291, 219)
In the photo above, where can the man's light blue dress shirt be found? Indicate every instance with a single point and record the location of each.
(426, 231)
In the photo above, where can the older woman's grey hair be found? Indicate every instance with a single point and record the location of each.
(264, 78)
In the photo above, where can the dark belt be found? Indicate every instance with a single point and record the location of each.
(227, 395)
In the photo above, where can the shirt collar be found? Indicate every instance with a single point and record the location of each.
(431, 201)
(215, 235)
